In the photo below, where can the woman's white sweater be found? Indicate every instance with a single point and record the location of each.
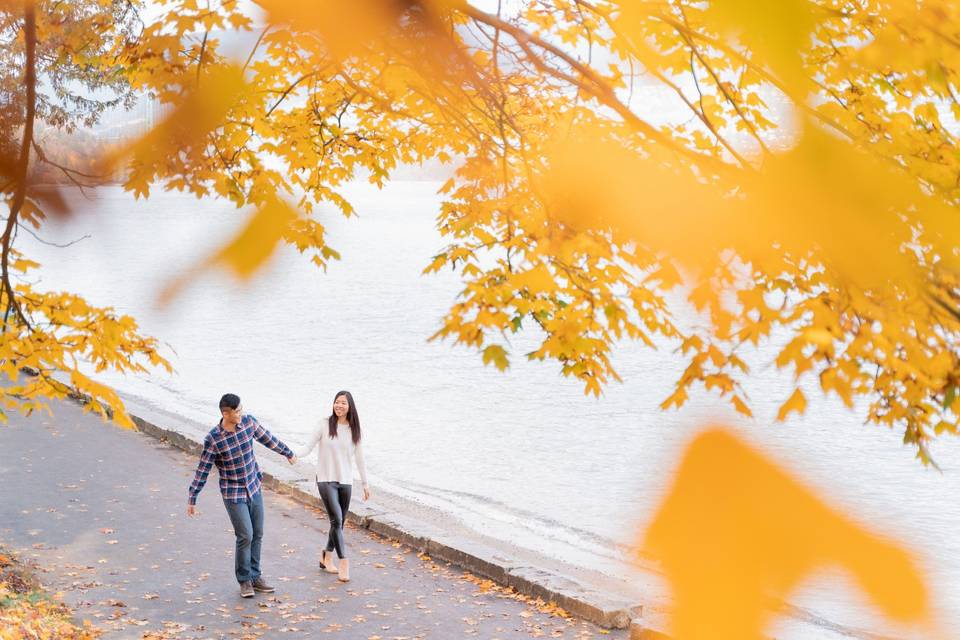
(335, 456)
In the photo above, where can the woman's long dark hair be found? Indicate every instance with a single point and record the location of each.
(352, 417)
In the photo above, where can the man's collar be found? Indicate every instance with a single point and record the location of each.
(235, 429)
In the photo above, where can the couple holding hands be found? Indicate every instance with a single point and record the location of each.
(229, 446)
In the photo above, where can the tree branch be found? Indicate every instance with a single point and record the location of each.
(590, 82)
(52, 244)
(256, 45)
(23, 163)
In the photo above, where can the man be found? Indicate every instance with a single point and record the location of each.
(229, 445)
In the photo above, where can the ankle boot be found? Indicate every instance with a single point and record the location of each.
(326, 562)
(344, 570)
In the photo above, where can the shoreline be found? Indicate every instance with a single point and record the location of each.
(589, 595)
(100, 510)
(640, 605)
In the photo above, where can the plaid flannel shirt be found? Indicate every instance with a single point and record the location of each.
(232, 452)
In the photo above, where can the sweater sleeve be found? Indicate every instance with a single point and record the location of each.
(304, 451)
(361, 467)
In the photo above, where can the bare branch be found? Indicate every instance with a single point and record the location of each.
(47, 242)
(256, 45)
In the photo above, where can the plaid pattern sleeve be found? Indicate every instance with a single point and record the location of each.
(269, 440)
(207, 459)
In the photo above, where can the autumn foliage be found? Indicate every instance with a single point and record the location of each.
(26, 611)
(807, 190)
(803, 185)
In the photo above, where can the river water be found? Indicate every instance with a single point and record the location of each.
(524, 454)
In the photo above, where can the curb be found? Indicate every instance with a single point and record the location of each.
(485, 562)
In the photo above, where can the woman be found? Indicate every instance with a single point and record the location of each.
(338, 442)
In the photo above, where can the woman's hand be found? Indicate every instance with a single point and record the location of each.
(366, 493)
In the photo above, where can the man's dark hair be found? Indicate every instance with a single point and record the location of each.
(229, 401)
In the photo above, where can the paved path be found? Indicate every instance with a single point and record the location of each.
(102, 511)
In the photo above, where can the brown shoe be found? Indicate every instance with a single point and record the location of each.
(344, 573)
(246, 589)
(261, 586)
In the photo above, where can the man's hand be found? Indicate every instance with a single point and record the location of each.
(292, 459)
(192, 510)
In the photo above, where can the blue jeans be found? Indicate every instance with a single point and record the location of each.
(247, 520)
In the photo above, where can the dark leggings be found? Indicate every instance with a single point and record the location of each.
(336, 502)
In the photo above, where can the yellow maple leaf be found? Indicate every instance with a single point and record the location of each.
(199, 112)
(778, 29)
(736, 535)
(257, 241)
(497, 355)
(246, 252)
(797, 402)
